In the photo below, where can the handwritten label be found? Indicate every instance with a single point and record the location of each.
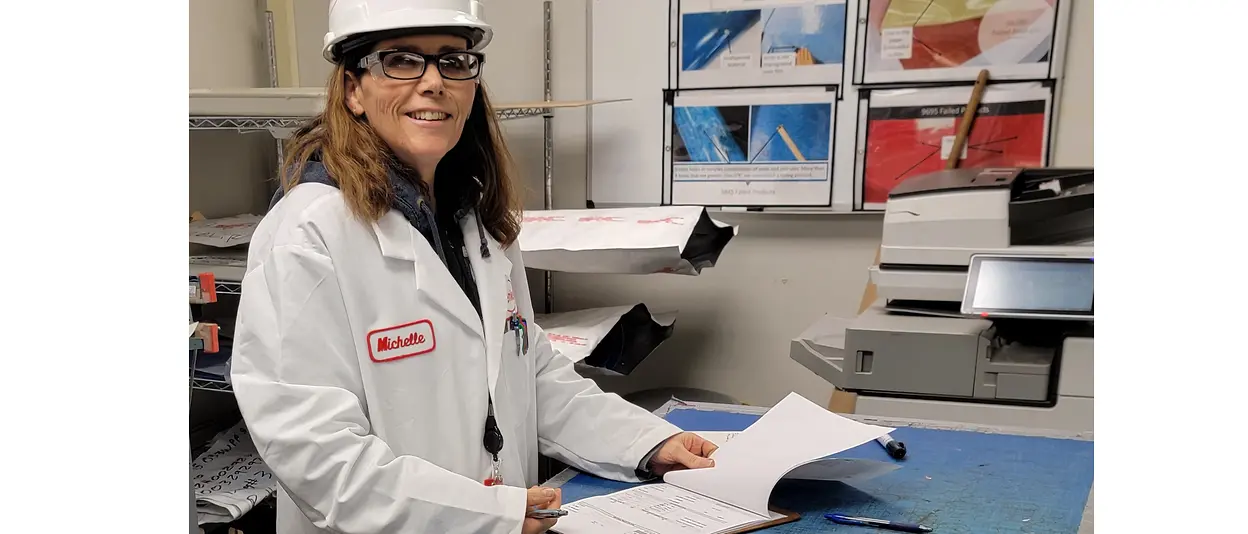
(896, 43)
(543, 218)
(564, 339)
(779, 63)
(946, 146)
(737, 61)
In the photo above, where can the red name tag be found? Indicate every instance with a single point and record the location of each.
(402, 341)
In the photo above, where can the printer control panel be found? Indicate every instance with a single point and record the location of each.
(1030, 287)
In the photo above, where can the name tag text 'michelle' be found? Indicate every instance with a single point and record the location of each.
(402, 341)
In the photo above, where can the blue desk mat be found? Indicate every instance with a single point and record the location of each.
(953, 481)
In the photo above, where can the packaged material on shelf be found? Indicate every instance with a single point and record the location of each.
(229, 265)
(213, 366)
(613, 339)
(230, 478)
(669, 239)
(226, 232)
(257, 102)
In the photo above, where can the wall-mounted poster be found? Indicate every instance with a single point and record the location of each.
(952, 40)
(751, 43)
(909, 132)
(747, 148)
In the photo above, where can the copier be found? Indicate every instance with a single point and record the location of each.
(985, 304)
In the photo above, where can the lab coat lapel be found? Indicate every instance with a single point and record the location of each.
(399, 240)
(491, 274)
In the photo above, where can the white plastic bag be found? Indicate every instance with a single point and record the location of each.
(227, 232)
(614, 339)
(670, 239)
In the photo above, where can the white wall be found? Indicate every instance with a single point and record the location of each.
(777, 277)
(227, 169)
(1073, 140)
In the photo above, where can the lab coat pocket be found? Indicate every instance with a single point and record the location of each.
(517, 374)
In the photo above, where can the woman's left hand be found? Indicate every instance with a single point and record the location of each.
(685, 450)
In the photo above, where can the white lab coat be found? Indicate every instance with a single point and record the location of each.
(361, 368)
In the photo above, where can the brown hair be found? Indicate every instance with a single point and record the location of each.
(358, 160)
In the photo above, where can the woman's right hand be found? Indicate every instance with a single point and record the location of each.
(542, 498)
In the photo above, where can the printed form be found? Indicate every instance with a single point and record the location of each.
(794, 439)
(654, 508)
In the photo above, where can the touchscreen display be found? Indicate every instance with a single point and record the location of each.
(1029, 285)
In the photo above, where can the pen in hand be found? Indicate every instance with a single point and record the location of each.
(544, 513)
(876, 523)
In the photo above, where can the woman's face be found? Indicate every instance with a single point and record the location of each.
(420, 119)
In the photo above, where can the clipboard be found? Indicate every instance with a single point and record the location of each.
(787, 517)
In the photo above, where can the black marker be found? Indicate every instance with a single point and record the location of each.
(896, 449)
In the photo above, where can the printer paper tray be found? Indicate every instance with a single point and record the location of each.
(895, 284)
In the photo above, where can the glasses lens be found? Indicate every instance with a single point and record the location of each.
(459, 66)
(403, 65)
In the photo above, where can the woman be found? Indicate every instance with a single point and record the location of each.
(385, 361)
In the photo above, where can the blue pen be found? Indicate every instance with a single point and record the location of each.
(876, 523)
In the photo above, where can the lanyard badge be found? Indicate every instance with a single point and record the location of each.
(492, 440)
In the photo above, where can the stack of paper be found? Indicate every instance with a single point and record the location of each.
(795, 439)
(230, 478)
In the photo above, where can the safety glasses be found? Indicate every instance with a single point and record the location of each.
(405, 65)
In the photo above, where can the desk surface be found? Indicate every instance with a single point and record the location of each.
(956, 478)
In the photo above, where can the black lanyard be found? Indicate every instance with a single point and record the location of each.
(493, 438)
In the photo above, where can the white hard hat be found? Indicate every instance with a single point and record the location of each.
(350, 18)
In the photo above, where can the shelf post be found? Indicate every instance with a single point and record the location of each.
(548, 142)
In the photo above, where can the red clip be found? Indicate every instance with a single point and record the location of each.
(493, 481)
(208, 287)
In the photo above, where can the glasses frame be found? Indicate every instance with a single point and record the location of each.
(378, 59)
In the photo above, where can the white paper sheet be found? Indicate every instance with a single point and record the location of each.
(847, 470)
(716, 437)
(838, 469)
(793, 433)
(653, 508)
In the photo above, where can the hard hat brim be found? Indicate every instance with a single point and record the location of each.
(429, 21)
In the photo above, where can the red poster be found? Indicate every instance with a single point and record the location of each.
(929, 40)
(908, 141)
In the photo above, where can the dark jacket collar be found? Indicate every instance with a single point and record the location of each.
(459, 195)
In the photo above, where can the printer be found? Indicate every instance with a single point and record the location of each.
(985, 304)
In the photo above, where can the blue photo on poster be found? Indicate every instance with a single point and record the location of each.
(705, 35)
(817, 29)
(814, 32)
(790, 132)
(710, 134)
